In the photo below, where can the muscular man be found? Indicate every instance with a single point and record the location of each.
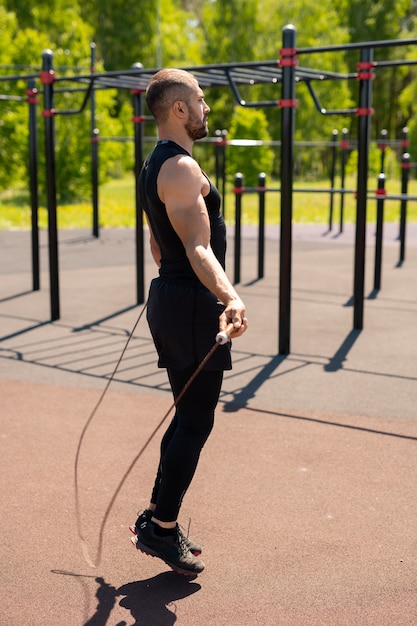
(190, 301)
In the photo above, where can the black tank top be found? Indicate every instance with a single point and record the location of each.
(174, 261)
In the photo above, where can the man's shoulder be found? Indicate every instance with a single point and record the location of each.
(181, 165)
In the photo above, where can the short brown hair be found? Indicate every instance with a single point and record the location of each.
(167, 86)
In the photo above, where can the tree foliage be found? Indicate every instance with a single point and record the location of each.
(185, 33)
(368, 20)
(251, 124)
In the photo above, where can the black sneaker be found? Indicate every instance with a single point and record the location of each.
(146, 515)
(170, 548)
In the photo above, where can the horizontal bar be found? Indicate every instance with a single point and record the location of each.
(390, 43)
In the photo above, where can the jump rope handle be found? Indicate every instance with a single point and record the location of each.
(224, 335)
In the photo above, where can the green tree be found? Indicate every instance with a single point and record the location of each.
(368, 20)
(229, 30)
(187, 33)
(154, 33)
(250, 161)
(13, 118)
(23, 45)
(123, 30)
(238, 30)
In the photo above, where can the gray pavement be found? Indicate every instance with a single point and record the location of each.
(331, 367)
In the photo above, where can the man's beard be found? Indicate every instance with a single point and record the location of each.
(195, 128)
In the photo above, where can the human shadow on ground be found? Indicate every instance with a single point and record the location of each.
(150, 601)
(106, 595)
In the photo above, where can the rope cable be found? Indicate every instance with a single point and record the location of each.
(221, 338)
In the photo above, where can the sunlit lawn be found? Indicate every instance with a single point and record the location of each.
(117, 198)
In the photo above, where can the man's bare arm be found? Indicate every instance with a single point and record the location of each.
(180, 187)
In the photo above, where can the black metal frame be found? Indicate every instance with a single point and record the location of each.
(284, 71)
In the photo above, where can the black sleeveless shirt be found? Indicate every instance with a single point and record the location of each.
(174, 261)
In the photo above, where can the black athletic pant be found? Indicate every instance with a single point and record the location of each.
(184, 438)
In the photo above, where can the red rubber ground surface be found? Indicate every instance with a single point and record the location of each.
(305, 497)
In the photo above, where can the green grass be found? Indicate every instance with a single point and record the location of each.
(116, 206)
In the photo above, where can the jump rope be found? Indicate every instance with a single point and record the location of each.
(221, 338)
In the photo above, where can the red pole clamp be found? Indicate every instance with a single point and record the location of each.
(344, 144)
(47, 78)
(138, 119)
(405, 165)
(381, 192)
(48, 112)
(360, 111)
(288, 104)
(365, 65)
(365, 76)
(136, 91)
(362, 74)
(32, 95)
(238, 189)
(288, 57)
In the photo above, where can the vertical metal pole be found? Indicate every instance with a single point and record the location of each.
(220, 159)
(379, 230)
(138, 119)
(238, 190)
(261, 233)
(364, 113)
(345, 148)
(223, 170)
(335, 134)
(405, 171)
(32, 94)
(288, 103)
(217, 144)
(94, 138)
(405, 142)
(47, 78)
(382, 143)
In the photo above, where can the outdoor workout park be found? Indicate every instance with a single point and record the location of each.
(304, 501)
(284, 76)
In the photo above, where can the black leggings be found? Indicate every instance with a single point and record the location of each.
(184, 438)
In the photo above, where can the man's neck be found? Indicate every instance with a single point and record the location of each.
(179, 137)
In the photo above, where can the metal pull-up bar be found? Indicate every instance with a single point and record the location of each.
(233, 75)
(363, 112)
(49, 112)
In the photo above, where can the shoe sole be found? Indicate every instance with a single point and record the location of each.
(133, 531)
(148, 551)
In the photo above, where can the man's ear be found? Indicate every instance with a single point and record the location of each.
(179, 108)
